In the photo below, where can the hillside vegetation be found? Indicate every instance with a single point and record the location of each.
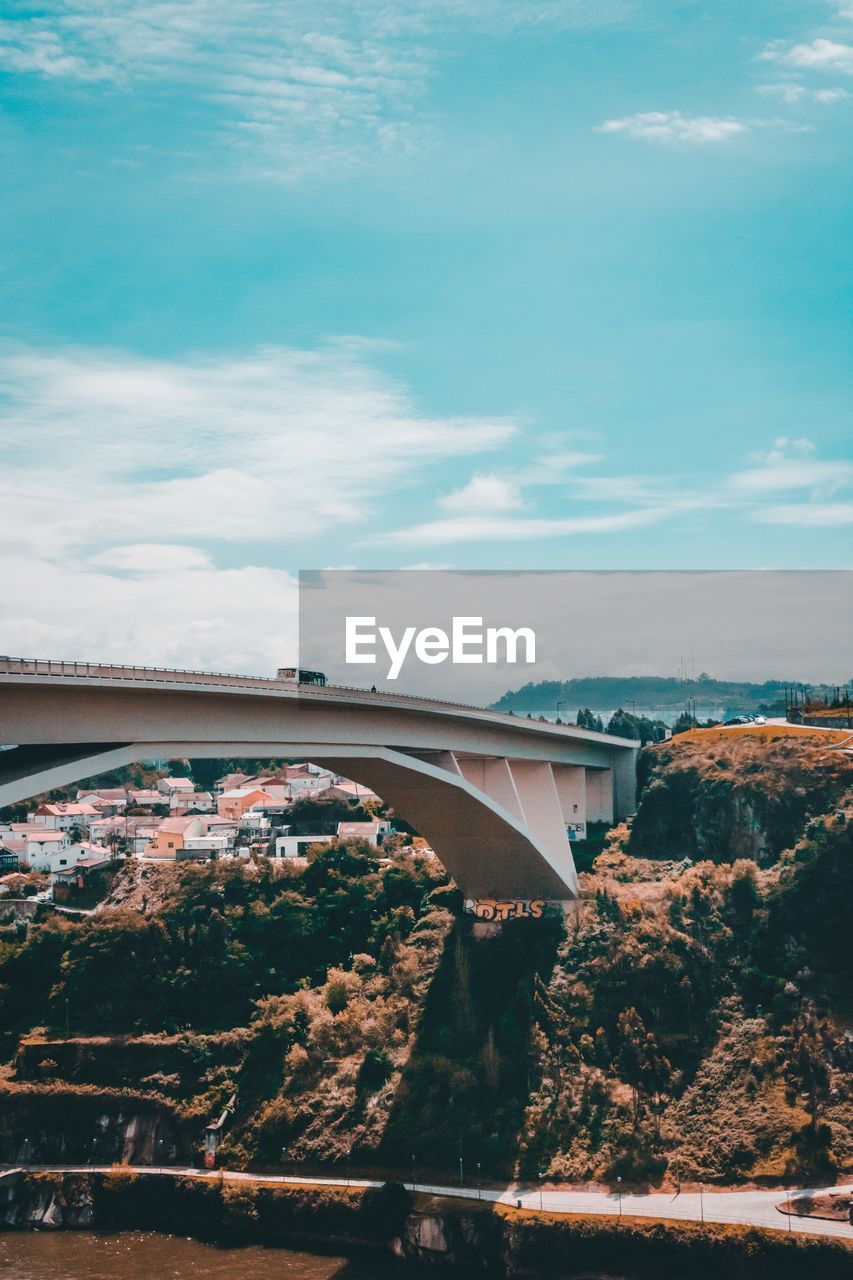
(691, 1020)
(729, 793)
(666, 696)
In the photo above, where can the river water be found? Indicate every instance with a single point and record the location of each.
(141, 1255)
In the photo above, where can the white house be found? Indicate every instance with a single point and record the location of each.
(62, 816)
(167, 786)
(296, 846)
(203, 847)
(146, 798)
(275, 786)
(180, 801)
(42, 846)
(63, 860)
(229, 782)
(373, 832)
(106, 800)
(302, 778)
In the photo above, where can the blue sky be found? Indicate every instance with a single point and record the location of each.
(545, 284)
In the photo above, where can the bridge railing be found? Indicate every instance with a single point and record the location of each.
(57, 667)
(119, 671)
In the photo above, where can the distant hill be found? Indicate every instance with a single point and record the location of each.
(658, 697)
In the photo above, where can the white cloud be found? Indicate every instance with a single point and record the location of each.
(122, 476)
(817, 55)
(485, 493)
(486, 528)
(816, 515)
(117, 450)
(555, 466)
(190, 618)
(303, 86)
(791, 91)
(153, 557)
(674, 126)
(789, 466)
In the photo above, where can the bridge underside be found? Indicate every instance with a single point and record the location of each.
(498, 824)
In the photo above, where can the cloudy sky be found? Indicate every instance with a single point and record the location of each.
(466, 283)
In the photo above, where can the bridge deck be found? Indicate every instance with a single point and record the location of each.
(40, 670)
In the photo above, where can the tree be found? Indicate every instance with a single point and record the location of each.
(811, 1038)
(684, 722)
(624, 725)
(641, 1064)
(588, 720)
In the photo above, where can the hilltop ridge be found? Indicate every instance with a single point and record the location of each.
(658, 697)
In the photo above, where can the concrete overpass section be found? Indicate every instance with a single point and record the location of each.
(493, 794)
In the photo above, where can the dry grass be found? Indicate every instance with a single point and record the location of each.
(719, 734)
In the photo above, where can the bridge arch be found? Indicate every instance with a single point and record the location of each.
(492, 794)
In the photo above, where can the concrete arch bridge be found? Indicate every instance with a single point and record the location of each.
(493, 794)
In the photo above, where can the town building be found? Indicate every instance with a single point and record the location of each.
(63, 816)
(167, 786)
(131, 833)
(233, 804)
(288, 846)
(107, 800)
(229, 782)
(190, 802)
(171, 836)
(146, 798)
(373, 832)
(41, 846)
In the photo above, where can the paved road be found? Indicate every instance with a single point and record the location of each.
(750, 1208)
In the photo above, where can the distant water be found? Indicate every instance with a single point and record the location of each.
(143, 1255)
(149, 1256)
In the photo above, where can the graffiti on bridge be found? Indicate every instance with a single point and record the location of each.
(501, 909)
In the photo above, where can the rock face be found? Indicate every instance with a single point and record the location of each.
(32, 1202)
(452, 1240)
(94, 1126)
(726, 795)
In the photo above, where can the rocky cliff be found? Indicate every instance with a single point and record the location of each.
(728, 794)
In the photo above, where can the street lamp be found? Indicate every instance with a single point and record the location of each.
(702, 1202)
(479, 1182)
(619, 1194)
(413, 1173)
